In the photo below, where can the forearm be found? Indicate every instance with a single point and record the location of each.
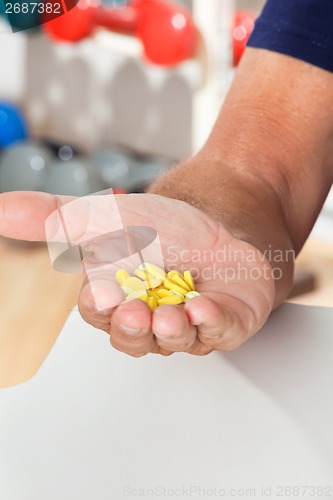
(277, 123)
(267, 167)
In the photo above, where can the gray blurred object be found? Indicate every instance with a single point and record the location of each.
(24, 167)
(75, 177)
(113, 167)
(148, 169)
(185, 3)
(119, 169)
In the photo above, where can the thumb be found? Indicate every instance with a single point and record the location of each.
(23, 213)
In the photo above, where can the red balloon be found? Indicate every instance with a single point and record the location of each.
(167, 31)
(242, 29)
(72, 26)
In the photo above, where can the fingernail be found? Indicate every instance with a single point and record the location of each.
(130, 331)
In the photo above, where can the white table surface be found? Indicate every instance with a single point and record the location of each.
(95, 424)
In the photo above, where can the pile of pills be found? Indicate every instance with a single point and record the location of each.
(156, 287)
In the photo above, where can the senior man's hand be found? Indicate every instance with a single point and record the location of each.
(234, 278)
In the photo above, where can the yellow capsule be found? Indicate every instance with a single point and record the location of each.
(122, 276)
(133, 285)
(171, 300)
(153, 303)
(177, 293)
(170, 285)
(164, 293)
(138, 294)
(150, 280)
(191, 295)
(152, 283)
(180, 282)
(143, 275)
(153, 294)
(155, 271)
(189, 280)
(173, 273)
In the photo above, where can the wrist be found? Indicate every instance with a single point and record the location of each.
(243, 203)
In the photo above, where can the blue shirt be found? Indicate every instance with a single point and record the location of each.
(298, 28)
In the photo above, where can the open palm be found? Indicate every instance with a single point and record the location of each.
(234, 278)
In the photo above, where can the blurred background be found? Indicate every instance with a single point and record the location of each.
(107, 107)
(115, 91)
(112, 94)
